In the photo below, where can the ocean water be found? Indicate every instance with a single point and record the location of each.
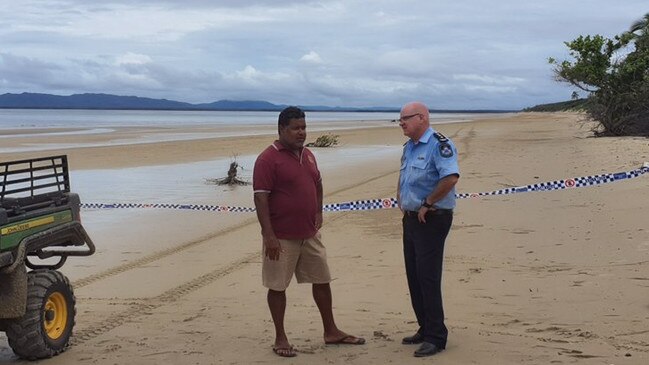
(187, 183)
(119, 230)
(102, 120)
(18, 125)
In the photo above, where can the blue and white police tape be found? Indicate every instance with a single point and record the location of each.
(570, 183)
(372, 204)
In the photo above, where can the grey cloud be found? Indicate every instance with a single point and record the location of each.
(482, 54)
(100, 5)
(24, 71)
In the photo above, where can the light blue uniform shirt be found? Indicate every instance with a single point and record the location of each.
(423, 165)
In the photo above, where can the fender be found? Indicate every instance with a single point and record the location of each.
(13, 293)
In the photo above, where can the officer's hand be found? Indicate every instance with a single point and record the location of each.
(272, 247)
(422, 214)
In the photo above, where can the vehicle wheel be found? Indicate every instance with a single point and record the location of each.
(46, 327)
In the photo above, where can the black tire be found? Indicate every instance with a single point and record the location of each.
(46, 327)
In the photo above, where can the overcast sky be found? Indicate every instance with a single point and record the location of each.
(451, 54)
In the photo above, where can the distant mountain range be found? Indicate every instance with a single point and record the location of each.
(107, 101)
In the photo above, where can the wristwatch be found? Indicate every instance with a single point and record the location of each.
(425, 204)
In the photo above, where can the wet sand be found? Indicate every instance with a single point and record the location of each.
(534, 278)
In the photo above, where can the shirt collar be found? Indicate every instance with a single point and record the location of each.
(280, 147)
(426, 136)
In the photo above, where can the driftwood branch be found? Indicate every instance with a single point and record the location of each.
(231, 179)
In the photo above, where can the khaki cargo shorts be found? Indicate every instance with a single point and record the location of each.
(307, 259)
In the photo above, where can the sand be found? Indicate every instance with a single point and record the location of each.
(556, 277)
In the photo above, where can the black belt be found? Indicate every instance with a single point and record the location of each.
(414, 213)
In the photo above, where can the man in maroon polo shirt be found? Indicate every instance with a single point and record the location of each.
(288, 198)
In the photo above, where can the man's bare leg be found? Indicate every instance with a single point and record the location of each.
(277, 306)
(322, 297)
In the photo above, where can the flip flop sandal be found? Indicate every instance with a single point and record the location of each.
(347, 340)
(284, 351)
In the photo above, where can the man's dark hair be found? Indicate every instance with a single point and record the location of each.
(291, 112)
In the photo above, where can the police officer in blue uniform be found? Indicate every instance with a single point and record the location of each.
(426, 196)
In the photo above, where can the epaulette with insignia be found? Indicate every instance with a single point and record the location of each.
(445, 149)
(440, 137)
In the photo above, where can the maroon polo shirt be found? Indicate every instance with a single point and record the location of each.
(291, 181)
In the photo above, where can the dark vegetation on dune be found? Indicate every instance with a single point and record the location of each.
(614, 73)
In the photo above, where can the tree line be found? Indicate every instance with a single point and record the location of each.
(615, 75)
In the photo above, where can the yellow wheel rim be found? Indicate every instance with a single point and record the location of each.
(55, 315)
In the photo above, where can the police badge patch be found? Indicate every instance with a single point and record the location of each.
(445, 150)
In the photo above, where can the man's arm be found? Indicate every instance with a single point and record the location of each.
(401, 170)
(399, 192)
(272, 247)
(318, 216)
(443, 187)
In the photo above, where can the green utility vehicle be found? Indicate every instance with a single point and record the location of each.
(39, 228)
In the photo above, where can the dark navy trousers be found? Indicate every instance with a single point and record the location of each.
(423, 250)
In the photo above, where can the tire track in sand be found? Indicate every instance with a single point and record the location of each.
(80, 283)
(147, 305)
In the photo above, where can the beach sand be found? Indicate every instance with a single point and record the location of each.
(559, 277)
